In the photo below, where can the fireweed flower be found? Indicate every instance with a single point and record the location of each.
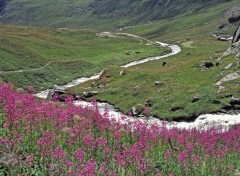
(58, 153)
(3, 141)
(29, 159)
(88, 140)
(79, 154)
(79, 140)
(20, 138)
(182, 157)
(181, 139)
(167, 154)
(89, 168)
(190, 147)
(103, 168)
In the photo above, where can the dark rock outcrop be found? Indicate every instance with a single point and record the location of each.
(137, 110)
(221, 26)
(3, 4)
(148, 103)
(235, 101)
(63, 97)
(224, 39)
(235, 47)
(159, 83)
(164, 63)
(195, 99)
(207, 64)
(234, 19)
(236, 36)
(90, 94)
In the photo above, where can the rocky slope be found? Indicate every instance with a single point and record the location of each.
(2, 6)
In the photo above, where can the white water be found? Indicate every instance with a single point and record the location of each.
(175, 50)
(43, 94)
(204, 121)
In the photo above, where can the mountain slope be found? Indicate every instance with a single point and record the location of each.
(95, 13)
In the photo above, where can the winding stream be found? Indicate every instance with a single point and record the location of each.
(204, 121)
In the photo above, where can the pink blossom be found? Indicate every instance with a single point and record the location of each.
(79, 154)
(190, 147)
(20, 138)
(167, 154)
(182, 157)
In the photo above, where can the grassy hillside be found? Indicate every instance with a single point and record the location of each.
(99, 14)
(189, 26)
(46, 57)
(183, 77)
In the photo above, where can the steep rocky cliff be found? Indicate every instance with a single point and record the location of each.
(3, 4)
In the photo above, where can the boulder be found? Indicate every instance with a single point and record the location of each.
(234, 19)
(222, 26)
(229, 77)
(63, 97)
(137, 87)
(235, 101)
(50, 94)
(137, 110)
(222, 39)
(20, 90)
(90, 94)
(218, 63)
(195, 99)
(159, 83)
(164, 63)
(128, 53)
(223, 111)
(93, 84)
(100, 86)
(236, 36)
(207, 64)
(148, 103)
(233, 50)
(122, 73)
(228, 66)
(235, 47)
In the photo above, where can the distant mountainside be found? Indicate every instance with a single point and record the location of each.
(97, 13)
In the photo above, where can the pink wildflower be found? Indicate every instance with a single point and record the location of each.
(183, 156)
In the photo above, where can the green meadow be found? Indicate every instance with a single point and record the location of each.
(183, 77)
(44, 57)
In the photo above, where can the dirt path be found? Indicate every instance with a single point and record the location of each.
(26, 70)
